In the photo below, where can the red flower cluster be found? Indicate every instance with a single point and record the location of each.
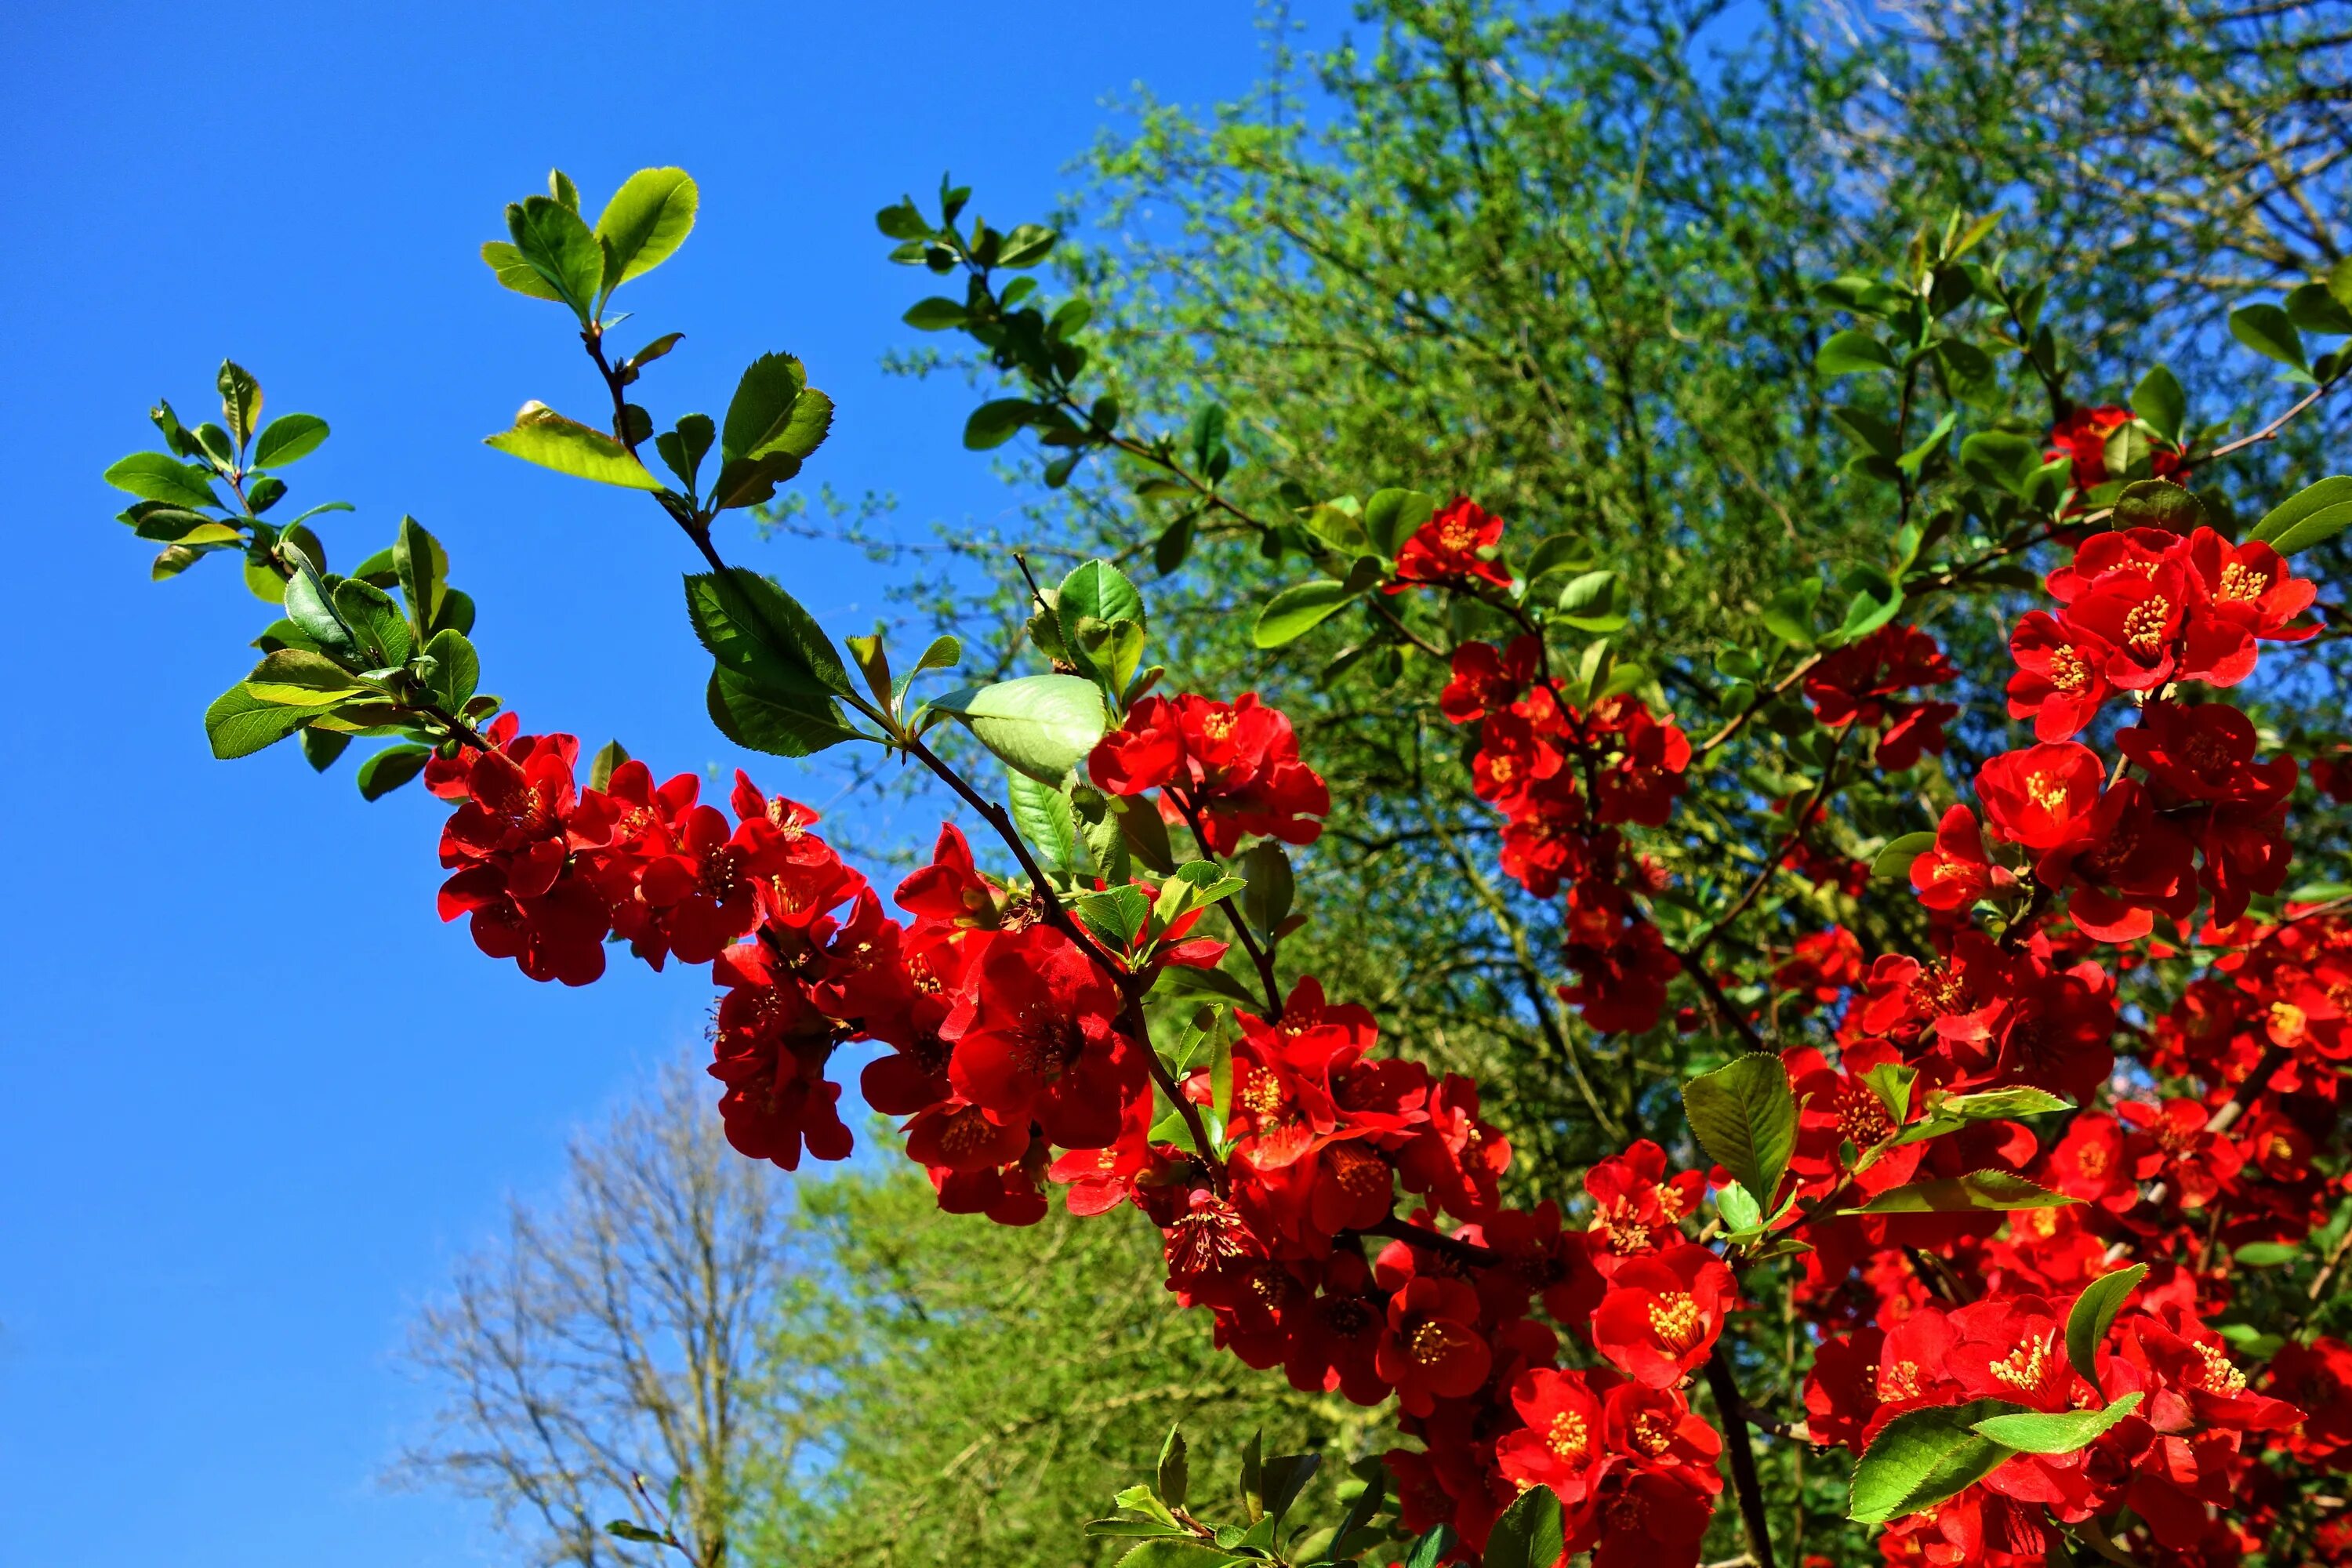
(1455, 548)
(2080, 439)
(2144, 610)
(1533, 751)
(1863, 682)
(1229, 768)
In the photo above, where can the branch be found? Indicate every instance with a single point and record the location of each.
(1734, 1411)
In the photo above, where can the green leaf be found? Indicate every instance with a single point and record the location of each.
(994, 422)
(1745, 1118)
(543, 435)
(152, 476)
(2062, 1432)
(321, 747)
(1922, 1458)
(1300, 608)
(762, 636)
(391, 768)
(422, 568)
(1174, 1474)
(2094, 1313)
(556, 244)
(2316, 512)
(902, 220)
(1027, 245)
(648, 220)
(1790, 615)
(609, 756)
(935, 315)
(1893, 864)
(1043, 817)
(512, 271)
(1594, 601)
(1529, 1533)
(1850, 354)
(1146, 834)
(2000, 457)
(382, 632)
(240, 400)
(1953, 1194)
(288, 437)
(1043, 725)
(1091, 606)
(1117, 915)
(774, 411)
(2160, 399)
(1172, 1552)
(764, 721)
(684, 449)
(1132, 1526)
(458, 667)
(2314, 309)
(2266, 329)
(1267, 900)
(2267, 1253)
(1286, 1476)
(1739, 1208)
(1953, 1111)
(307, 606)
(1892, 1082)
(2160, 504)
(1392, 516)
(239, 723)
(1875, 600)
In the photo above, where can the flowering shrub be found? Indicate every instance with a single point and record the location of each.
(2006, 1177)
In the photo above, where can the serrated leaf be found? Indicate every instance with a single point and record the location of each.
(1170, 1551)
(1852, 352)
(2060, 1432)
(507, 263)
(1117, 915)
(1922, 1458)
(763, 720)
(1745, 1118)
(289, 438)
(543, 435)
(155, 476)
(391, 768)
(2094, 1313)
(238, 724)
(2316, 512)
(2266, 329)
(1174, 1473)
(1043, 817)
(1980, 1190)
(557, 244)
(1530, 1532)
(1043, 725)
(2160, 399)
(1893, 864)
(646, 220)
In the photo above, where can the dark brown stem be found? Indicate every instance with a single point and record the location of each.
(1413, 1235)
(1734, 1411)
(2268, 432)
(1259, 956)
(1141, 1028)
(1724, 1010)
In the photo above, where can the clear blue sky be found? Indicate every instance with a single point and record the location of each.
(253, 1096)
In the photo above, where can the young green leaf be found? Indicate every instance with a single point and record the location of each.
(422, 568)
(1594, 601)
(1951, 1194)
(2160, 399)
(1392, 516)
(1790, 615)
(646, 220)
(1300, 608)
(1043, 725)
(1922, 1458)
(1852, 354)
(2316, 512)
(152, 476)
(774, 411)
(2059, 1432)
(556, 244)
(287, 438)
(1529, 1534)
(1174, 1474)
(240, 400)
(762, 635)
(1745, 1118)
(1893, 864)
(783, 725)
(543, 435)
(391, 768)
(513, 271)
(1044, 820)
(238, 724)
(2266, 329)
(2094, 1313)
(456, 667)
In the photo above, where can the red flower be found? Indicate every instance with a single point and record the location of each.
(513, 840)
(1487, 682)
(1663, 1313)
(2251, 586)
(2014, 1349)
(961, 1138)
(1863, 682)
(1035, 1035)
(2140, 616)
(2205, 754)
(951, 889)
(1842, 1390)
(1541, 841)
(2044, 795)
(1561, 1446)
(1457, 546)
(1230, 769)
(1458, 1160)
(771, 1050)
(2062, 675)
(1955, 872)
(1432, 1349)
(1642, 781)
(2082, 440)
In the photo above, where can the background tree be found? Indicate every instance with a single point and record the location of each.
(614, 1334)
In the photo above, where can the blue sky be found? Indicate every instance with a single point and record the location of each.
(253, 1096)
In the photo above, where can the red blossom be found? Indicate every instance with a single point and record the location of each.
(1456, 547)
